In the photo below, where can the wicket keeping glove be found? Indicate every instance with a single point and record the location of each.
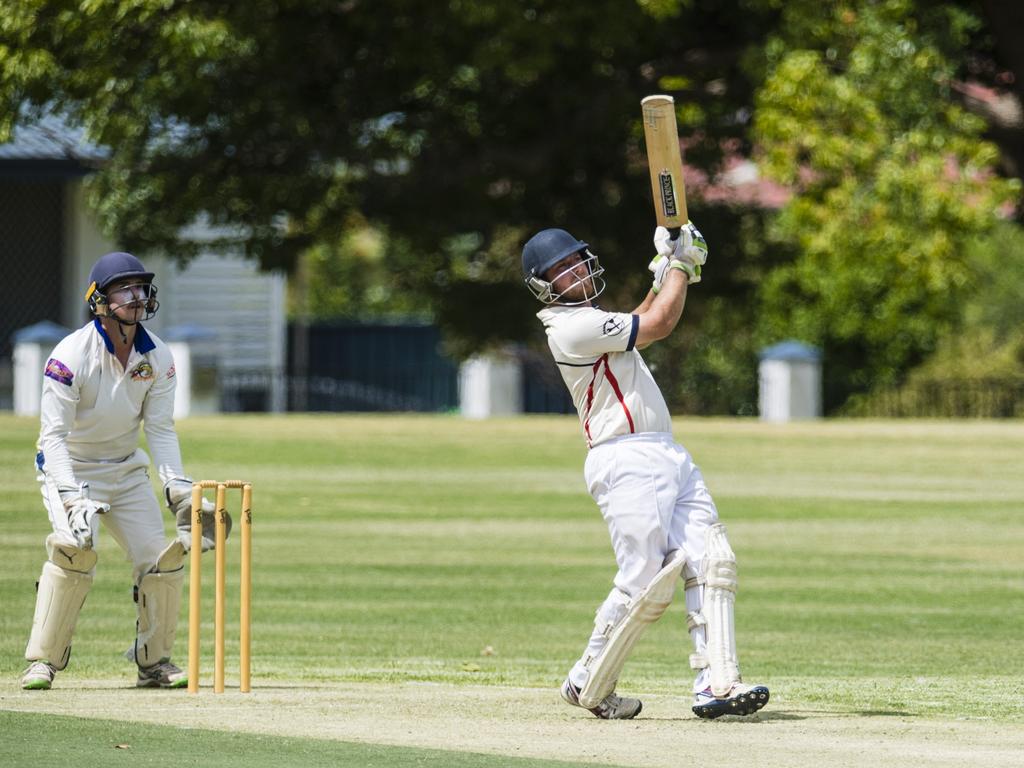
(178, 492)
(688, 252)
(81, 511)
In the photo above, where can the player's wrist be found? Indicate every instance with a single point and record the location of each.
(692, 271)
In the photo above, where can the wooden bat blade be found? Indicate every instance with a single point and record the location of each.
(664, 161)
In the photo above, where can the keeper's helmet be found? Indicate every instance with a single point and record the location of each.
(114, 267)
(543, 251)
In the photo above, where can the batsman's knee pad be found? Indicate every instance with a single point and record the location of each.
(646, 608)
(60, 595)
(717, 613)
(157, 598)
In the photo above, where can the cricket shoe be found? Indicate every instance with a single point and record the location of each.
(163, 674)
(612, 707)
(742, 700)
(38, 676)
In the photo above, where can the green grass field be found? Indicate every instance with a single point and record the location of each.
(881, 563)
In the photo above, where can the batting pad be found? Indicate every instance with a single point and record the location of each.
(172, 557)
(646, 609)
(719, 602)
(59, 599)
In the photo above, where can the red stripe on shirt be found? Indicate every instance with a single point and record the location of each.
(618, 392)
(590, 397)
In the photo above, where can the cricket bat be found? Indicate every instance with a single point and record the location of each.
(664, 162)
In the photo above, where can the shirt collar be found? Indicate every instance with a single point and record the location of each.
(143, 342)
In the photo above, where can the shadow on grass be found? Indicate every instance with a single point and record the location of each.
(760, 717)
(774, 715)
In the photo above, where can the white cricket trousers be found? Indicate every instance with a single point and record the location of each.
(134, 520)
(654, 500)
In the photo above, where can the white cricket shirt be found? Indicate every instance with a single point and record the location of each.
(610, 384)
(91, 407)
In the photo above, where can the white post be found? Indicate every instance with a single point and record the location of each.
(790, 382)
(183, 373)
(775, 390)
(490, 385)
(28, 362)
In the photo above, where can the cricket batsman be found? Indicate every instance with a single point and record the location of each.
(662, 520)
(100, 383)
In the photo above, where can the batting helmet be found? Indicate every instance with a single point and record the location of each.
(110, 268)
(547, 248)
(543, 251)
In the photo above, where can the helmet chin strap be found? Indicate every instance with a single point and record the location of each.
(122, 323)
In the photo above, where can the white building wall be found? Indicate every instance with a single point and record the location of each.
(85, 244)
(244, 307)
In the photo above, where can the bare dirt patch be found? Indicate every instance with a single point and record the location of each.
(531, 722)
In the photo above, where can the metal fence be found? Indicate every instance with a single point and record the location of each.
(251, 391)
(543, 388)
(347, 366)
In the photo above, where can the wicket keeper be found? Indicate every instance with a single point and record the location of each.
(100, 383)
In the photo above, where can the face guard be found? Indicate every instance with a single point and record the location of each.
(592, 284)
(140, 294)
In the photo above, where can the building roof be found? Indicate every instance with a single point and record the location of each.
(49, 146)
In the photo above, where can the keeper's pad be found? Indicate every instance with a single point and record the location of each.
(717, 613)
(157, 598)
(172, 558)
(70, 557)
(60, 595)
(645, 609)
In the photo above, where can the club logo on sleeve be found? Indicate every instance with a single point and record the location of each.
(171, 373)
(142, 372)
(612, 326)
(57, 371)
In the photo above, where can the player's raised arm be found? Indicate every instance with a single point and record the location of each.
(677, 264)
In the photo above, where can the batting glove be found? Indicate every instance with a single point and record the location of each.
(82, 511)
(178, 492)
(691, 248)
(687, 253)
(659, 267)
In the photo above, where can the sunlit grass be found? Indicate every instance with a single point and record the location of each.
(881, 563)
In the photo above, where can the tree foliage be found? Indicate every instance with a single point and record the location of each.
(894, 182)
(454, 127)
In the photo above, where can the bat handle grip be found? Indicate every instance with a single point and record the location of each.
(673, 232)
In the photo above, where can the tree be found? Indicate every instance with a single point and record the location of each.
(455, 127)
(893, 179)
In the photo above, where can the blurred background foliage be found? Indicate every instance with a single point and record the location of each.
(394, 155)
